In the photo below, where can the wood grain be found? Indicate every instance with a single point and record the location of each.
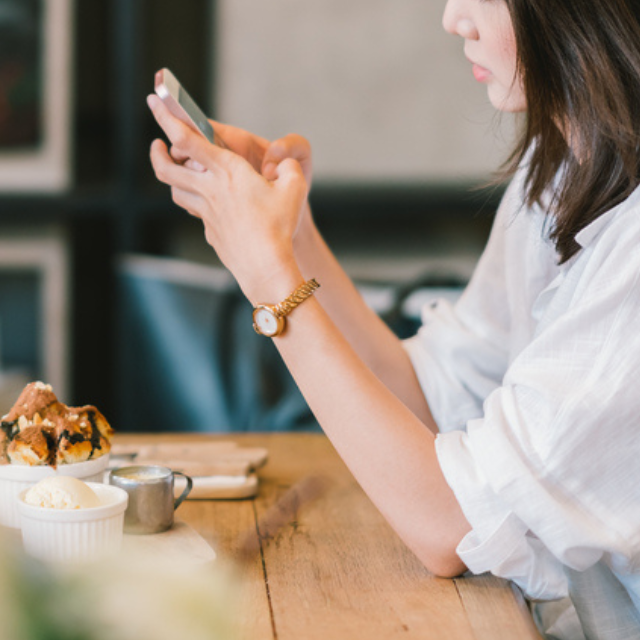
(331, 567)
(496, 609)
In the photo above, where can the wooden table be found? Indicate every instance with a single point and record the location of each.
(336, 570)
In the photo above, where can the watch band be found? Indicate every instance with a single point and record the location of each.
(303, 292)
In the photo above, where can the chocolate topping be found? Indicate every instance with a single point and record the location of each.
(95, 433)
(39, 440)
(8, 429)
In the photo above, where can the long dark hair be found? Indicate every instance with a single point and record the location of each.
(580, 64)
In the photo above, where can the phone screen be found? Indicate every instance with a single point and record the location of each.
(181, 104)
(196, 115)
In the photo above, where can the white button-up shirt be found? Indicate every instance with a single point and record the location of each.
(533, 377)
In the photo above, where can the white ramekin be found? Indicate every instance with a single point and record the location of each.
(15, 478)
(75, 535)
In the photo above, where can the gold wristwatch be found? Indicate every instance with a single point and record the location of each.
(270, 319)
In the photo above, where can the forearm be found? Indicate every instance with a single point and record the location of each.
(387, 448)
(372, 340)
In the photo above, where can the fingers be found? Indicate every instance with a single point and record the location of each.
(290, 176)
(186, 143)
(245, 144)
(194, 165)
(239, 140)
(182, 184)
(290, 146)
(178, 156)
(169, 172)
(190, 202)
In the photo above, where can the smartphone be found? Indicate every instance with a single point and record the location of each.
(183, 106)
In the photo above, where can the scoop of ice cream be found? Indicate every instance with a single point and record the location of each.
(62, 492)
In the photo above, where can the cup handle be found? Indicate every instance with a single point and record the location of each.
(187, 490)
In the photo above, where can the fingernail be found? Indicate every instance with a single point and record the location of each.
(269, 169)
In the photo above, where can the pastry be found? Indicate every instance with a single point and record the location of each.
(89, 416)
(73, 445)
(33, 445)
(41, 430)
(85, 434)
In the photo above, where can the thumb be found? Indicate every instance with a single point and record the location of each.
(289, 175)
(290, 146)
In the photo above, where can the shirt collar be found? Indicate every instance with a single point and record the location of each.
(586, 236)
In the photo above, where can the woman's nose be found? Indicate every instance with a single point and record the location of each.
(457, 21)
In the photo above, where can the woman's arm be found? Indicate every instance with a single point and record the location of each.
(251, 222)
(379, 348)
(373, 341)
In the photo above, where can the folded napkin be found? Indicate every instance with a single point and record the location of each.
(220, 470)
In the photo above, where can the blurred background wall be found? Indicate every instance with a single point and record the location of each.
(403, 141)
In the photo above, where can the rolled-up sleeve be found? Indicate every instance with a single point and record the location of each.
(499, 541)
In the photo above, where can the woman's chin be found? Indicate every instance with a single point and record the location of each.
(507, 102)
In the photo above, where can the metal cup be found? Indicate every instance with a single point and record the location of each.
(151, 497)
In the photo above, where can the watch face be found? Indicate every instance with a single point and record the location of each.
(266, 322)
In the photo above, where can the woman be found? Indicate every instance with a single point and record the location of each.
(528, 381)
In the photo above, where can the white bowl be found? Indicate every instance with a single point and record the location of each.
(75, 535)
(15, 478)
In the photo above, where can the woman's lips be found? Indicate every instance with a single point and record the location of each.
(480, 73)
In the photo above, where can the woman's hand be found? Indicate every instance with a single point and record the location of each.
(264, 156)
(249, 220)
